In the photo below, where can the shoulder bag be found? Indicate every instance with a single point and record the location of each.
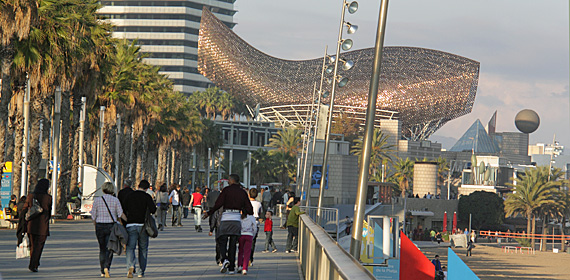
(150, 225)
(35, 210)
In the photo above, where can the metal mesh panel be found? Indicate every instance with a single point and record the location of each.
(427, 87)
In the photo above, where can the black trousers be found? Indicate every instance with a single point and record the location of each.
(37, 243)
(228, 251)
(103, 231)
(253, 246)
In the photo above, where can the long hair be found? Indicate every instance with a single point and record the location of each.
(42, 186)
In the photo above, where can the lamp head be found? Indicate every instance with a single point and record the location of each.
(353, 7)
(346, 44)
(342, 81)
(348, 65)
(351, 28)
(329, 69)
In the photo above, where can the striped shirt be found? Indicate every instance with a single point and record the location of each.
(99, 212)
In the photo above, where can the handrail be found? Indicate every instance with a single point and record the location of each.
(328, 216)
(322, 258)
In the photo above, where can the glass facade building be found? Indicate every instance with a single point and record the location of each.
(168, 33)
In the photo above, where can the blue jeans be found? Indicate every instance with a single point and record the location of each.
(137, 236)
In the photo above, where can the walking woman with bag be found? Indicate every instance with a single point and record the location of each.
(162, 206)
(105, 213)
(38, 226)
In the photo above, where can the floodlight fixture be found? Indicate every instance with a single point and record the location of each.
(346, 44)
(351, 27)
(329, 69)
(353, 7)
(326, 94)
(346, 64)
(342, 81)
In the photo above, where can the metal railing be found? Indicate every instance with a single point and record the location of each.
(322, 258)
(328, 219)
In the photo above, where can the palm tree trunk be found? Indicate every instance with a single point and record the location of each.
(18, 143)
(544, 231)
(533, 231)
(528, 223)
(7, 56)
(65, 162)
(75, 139)
(46, 129)
(36, 110)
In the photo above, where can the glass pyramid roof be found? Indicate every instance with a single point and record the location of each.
(477, 139)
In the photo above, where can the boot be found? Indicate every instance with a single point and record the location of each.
(199, 228)
(196, 228)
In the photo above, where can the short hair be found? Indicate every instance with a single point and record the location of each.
(437, 256)
(270, 212)
(144, 184)
(253, 193)
(163, 188)
(296, 199)
(198, 189)
(108, 188)
(235, 178)
(128, 183)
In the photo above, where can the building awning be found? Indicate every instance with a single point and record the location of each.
(421, 213)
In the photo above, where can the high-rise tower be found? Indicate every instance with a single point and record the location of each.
(168, 32)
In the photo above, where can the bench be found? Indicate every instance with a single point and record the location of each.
(73, 211)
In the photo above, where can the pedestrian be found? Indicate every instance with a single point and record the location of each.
(138, 204)
(127, 189)
(432, 235)
(234, 200)
(105, 213)
(211, 201)
(266, 198)
(186, 198)
(151, 192)
(215, 221)
(13, 206)
(248, 230)
(256, 210)
(196, 202)
(293, 226)
(38, 227)
(205, 193)
(469, 247)
(175, 202)
(162, 205)
(438, 238)
(437, 264)
(268, 229)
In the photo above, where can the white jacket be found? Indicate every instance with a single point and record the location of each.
(249, 225)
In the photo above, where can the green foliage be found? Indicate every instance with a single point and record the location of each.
(403, 174)
(382, 152)
(524, 242)
(487, 209)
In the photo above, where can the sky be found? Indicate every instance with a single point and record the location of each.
(522, 45)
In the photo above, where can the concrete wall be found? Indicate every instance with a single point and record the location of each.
(343, 178)
(425, 178)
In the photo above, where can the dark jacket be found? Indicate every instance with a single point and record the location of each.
(234, 198)
(122, 195)
(40, 224)
(186, 198)
(136, 205)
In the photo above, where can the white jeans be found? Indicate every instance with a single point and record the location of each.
(197, 216)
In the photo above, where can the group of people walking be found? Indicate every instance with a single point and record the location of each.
(235, 215)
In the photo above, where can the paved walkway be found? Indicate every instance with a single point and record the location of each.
(72, 252)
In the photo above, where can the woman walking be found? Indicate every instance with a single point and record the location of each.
(38, 227)
(162, 206)
(105, 213)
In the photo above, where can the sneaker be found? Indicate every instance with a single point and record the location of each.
(265, 251)
(232, 272)
(274, 250)
(130, 273)
(180, 225)
(251, 263)
(239, 269)
(106, 273)
(102, 275)
(225, 266)
(287, 251)
(141, 275)
(244, 272)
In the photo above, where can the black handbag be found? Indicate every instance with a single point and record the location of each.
(34, 211)
(150, 225)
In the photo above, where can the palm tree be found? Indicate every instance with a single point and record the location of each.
(382, 152)
(404, 171)
(211, 139)
(225, 105)
(262, 166)
(442, 170)
(287, 141)
(532, 191)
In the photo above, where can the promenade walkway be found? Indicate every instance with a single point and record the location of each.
(71, 252)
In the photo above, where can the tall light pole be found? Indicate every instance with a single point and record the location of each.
(101, 133)
(82, 136)
(345, 45)
(26, 146)
(306, 143)
(55, 148)
(356, 238)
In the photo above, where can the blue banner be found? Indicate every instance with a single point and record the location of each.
(317, 175)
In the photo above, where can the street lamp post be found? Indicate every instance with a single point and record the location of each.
(306, 143)
(55, 148)
(356, 238)
(26, 146)
(81, 136)
(345, 45)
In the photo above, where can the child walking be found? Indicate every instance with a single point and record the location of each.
(248, 231)
(268, 228)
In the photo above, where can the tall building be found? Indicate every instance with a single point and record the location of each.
(168, 32)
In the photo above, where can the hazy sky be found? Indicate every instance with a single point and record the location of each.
(522, 46)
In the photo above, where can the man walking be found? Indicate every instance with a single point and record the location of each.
(293, 226)
(138, 203)
(266, 199)
(176, 203)
(234, 200)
